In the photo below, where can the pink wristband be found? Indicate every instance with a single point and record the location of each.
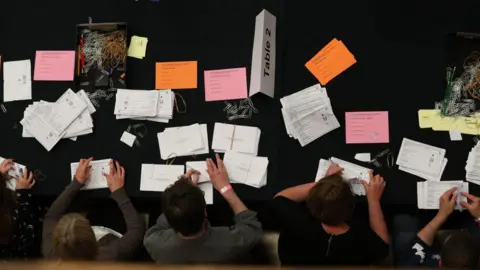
(225, 188)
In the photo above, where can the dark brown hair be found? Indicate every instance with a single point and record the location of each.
(184, 205)
(331, 200)
(459, 251)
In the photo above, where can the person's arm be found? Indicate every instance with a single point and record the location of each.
(374, 191)
(156, 235)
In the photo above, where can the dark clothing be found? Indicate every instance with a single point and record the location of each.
(303, 241)
(113, 249)
(417, 253)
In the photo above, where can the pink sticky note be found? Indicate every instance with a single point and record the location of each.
(367, 127)
(54, 66)
(225, 84)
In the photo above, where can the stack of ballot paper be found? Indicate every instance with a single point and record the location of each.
(183, 141)
(237, 138)
(308, 114)
(473, 165)
(246, 169)
(68, 117)
(159, 177)
(423, 160)
(429, 193)
(96, 179)
(154, 105)
(352, 173)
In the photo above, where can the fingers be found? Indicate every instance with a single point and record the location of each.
(449, 193)
(32, 184)
(88, 160)
(469, 196)
(453, 200)
(192, 171)
(195, 178)
(219, 162)
(112, 169)
(122, 172)
(371, 174)
(30, 177)
(364, 183)
(212, 168)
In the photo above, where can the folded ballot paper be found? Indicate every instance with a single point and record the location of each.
(473, 165)
(237, 138)
(246, 169)
(352, 173)
(96, 179)
(429, 193)
(150, 105)
(423, 160)
(68, 117)
(308, 114)
(183, 141)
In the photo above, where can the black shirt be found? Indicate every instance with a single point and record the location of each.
(303, 241)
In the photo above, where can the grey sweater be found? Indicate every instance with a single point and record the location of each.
(217, 245)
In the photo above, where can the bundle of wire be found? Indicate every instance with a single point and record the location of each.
(104, 50)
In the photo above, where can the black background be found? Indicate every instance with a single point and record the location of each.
(400, 47)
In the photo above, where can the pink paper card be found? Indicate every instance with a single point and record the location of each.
(366, 127)
(225, 84)
(54, 66)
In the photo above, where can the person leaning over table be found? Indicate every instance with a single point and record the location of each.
(458, 250)
(17, 215)
(319, 232)
(183, 234)
(70, 237)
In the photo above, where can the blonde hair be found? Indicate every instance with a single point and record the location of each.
(73, 239)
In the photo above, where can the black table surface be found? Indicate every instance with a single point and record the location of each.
(399, 46)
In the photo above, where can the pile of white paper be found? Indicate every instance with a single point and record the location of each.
(352, 173)
(243, 139)
(183, 141)
(154, 105)
(246, 169)
(423, 160)
(308, 114)
(96, 179)
(473, 165)
(17, 80)
(429, 193)
(159, 177)
(68, 117)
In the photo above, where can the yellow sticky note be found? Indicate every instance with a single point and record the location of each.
(425, 117)
(447, 123)
(138, 47)
(469, 125)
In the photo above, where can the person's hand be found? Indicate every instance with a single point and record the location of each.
(473, 205)
(374, 189)
(116, 178)
(25, 181)
(448, 201)
(192, 175)
(83, 170)
(218, 174)
(334, 169)
(6, 166)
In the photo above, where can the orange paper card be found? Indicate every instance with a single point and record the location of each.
(176, 75)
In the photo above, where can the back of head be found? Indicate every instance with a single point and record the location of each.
(331, 200)
(460, 251)
(184, 205)
(74, 239)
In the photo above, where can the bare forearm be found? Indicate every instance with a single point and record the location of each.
(234, 201)
(427, 234)
(377, 221)
(297, 193)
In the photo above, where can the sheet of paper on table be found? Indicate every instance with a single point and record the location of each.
(17, 80)
(138, 47)
(54, 66)
(225, 84)
(429, 193)
(200, 166)
(455, 135)
(176, 75)
(136, 103)
(163, 111)
(207, 189)
(128, 138)
(472, 167)
(246, 169)
(96, 179)
(183, 141)
(243, 139)
(366, 127)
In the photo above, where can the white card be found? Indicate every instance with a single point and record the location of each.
(128, 138)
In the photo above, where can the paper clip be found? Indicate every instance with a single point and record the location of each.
(172, 156)
(140, 133)
(137, 143)
(390, 160)
(176, 104)
(109, 97)
(3, 108)
(244, 110)
(375, 161)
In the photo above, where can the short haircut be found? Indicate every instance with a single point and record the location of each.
(459, 251)
(331, 200)
(184, 205)
(74, 239)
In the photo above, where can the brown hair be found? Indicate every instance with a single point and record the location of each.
(73, 239)
(331, 200)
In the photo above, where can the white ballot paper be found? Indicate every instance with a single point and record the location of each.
(84, 97)
(246, 169)
(128, 138)
(136, 103)
(183, 141)
(163, 111)
(207, 189)
(352, 173)
(308, 114)
(14, 173)
(17, 80)
(200, 166)
(237, 138)
(425, 159)
(158, 177)
(429, 193)
(96, 180)
(473, 165)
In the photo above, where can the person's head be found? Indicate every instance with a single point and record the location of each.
(74, 239)
(184, 205)
(331, 200)
(459, 251)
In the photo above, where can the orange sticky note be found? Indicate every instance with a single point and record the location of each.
(176, 75)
